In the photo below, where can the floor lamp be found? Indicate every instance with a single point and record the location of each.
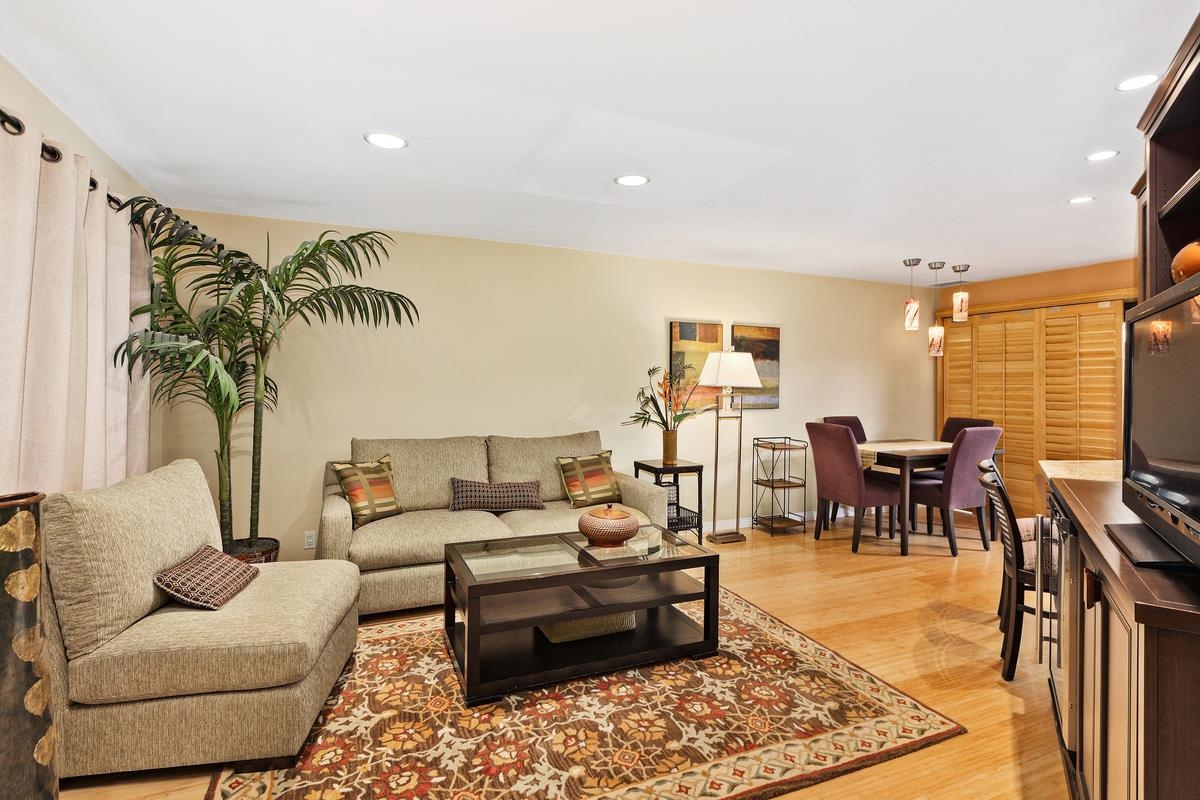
(728, 371)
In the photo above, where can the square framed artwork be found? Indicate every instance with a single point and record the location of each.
(762, 342)
(691, 342)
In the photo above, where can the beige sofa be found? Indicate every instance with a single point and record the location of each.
(401, 557)
(140, 682)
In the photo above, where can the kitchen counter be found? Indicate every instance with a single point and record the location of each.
(1081, 470)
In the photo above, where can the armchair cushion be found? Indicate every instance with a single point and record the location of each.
(527, 458)
(271, 634)
(422, 468)
(104, 547)
(419, 537)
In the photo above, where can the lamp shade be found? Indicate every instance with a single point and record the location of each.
(727, 368)
(961, 299)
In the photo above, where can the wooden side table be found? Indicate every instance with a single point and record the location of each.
(679, 518)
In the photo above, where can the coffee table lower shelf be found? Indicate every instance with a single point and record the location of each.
(523, 658)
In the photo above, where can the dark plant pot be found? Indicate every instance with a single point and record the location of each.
(27, 744)
(265, 550)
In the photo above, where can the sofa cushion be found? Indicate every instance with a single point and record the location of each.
(368, 488)
(513, 458)
(558, 517)
(422, 468)
(271, 634)
(104, 547)
(419, 537)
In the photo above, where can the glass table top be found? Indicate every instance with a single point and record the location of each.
(557, 554)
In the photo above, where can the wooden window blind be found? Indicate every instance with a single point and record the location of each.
(1051, 377)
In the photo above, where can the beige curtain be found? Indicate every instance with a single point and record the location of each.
(72, 270)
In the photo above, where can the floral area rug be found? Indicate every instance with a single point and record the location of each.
(772, 712)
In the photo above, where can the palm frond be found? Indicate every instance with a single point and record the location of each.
(353, 303)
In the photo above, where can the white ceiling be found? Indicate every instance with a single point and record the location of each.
(833, 138)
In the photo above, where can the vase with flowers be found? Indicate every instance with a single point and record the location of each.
(663, 402)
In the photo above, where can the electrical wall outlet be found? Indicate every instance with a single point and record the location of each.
(310, 540)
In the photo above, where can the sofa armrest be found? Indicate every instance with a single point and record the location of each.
(651, 500)
(336, 526)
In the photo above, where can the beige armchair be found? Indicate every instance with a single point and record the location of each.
(140, 682)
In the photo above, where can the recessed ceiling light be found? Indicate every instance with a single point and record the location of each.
(1138, 82)
(387, 141)
(631, 181)
(1103, 155)
(1076, 201)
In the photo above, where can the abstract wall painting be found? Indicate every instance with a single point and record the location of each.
(762, 342)
(691, 342)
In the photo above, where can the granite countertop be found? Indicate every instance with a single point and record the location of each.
(1082, 470)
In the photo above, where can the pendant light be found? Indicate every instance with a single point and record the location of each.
(912, 306)
(961, 298)
(937, 334)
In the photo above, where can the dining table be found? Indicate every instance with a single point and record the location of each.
(905, 456)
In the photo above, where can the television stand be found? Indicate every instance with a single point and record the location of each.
(1146, 549)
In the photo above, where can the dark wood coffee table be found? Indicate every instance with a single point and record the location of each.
(499, 591)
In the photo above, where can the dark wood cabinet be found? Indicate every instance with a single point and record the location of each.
(1137, 680)
(1169, 192)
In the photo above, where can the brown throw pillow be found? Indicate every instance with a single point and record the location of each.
(206, 579)
(589, 480)
(482, 496)
(368, 488)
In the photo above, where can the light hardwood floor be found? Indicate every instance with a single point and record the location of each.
(925, 623)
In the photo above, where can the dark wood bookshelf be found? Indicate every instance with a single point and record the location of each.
(1169, 194)
(1187, 194)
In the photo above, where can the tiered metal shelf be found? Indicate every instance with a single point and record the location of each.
(780, 468)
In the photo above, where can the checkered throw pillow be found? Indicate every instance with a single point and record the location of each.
(206, 579)
(589, 480)
(368, 489)
(482, 496)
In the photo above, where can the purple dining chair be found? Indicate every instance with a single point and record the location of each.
(954, 425)
(960, 487)
(950, 430)
(840, 479)
(860, 436)
(853, 423)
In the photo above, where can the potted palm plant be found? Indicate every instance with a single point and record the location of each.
(662, 402)
(192, 346)
(308, 285)
(244, 309)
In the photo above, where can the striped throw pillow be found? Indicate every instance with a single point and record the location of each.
(589, 480)
(368, 488)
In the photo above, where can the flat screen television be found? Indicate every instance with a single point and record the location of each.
(1162, 416)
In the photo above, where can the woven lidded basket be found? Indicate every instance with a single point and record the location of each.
(608, 526)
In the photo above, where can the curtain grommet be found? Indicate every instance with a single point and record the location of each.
(11, 124)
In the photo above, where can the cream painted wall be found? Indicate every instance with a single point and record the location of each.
(525, 340)
(19, 96)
